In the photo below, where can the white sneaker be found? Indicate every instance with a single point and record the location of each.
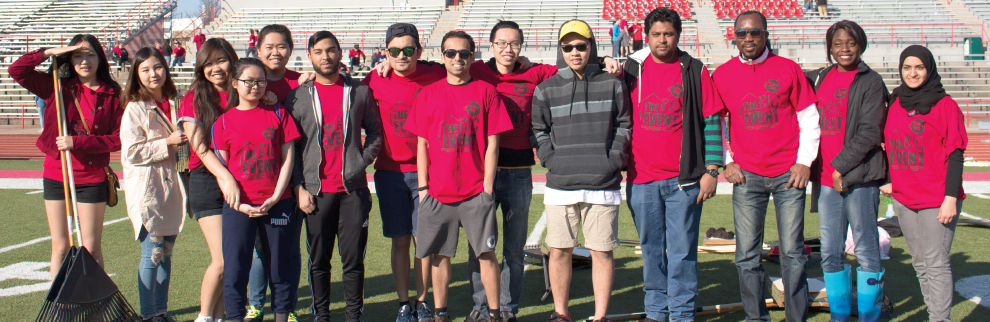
(204, 319)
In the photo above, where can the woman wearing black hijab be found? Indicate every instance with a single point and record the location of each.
(925, 138)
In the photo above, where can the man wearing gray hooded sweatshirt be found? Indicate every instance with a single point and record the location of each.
(581, 127)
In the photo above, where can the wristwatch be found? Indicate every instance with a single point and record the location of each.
(713, 173)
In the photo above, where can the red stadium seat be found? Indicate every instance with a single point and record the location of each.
(799, 13)
(606, 15)
(788, 12)
(766, 12)
(641, 15)
(686, 13)
(733, 13)
(730, 33)
(721, 13)
(778, 13)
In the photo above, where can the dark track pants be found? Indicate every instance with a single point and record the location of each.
(279, 231)
(343, 217)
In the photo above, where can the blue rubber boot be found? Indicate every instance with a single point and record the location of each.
(837, 287)
(869, 293)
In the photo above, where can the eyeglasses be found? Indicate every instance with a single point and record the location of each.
(502, 45)
(755, 32)
(408, 51)
(450, 53)
(252, 83)
(579, 47)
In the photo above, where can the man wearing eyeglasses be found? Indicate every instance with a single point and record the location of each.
(676, 150)
(458, 121)
(773, 136)
(395, 169)
(329, 176)
(581, 126)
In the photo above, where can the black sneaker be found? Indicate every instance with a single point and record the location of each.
(558, 318)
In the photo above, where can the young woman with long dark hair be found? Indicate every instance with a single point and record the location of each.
(154, 196)
(210, 184)
(91, 100)
(852, 105)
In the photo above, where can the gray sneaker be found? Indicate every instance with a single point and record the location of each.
(423, 313)
(405, 314)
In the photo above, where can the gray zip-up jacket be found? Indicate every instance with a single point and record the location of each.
(581, 127)
(361, 112)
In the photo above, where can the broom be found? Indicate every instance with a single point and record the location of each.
(82, 290)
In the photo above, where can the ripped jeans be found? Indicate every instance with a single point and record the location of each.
(154, 273)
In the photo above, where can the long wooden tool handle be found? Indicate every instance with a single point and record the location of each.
(68, 179)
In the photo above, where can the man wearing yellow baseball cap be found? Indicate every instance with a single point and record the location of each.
(586, 111)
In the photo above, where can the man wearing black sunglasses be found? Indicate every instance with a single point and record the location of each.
(581, 126)
(773, 135)
(329, 177)
(395, 169)
(676, 150)
(458, 121)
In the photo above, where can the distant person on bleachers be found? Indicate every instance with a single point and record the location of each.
(329, 179)
(199, 39)
(356, 56)
(846, 177)
(773, 133)
(252, 41)
(180, 55)
(167, 52)
(809, 5)
(614, 33)
(155, 200)
(636, 32)
(675, 153)
(93, 133)
(823, 8)
(581, 114)
(377, 56)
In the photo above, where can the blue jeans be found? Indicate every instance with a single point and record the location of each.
(513, 193)
(749, 209)
(154, 273)
(178, 61)
(398, 202)
(667, 218)
(258, 282)
(615, 48)
(41, 110)
(856, 208)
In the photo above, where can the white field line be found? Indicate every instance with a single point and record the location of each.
(41, 239)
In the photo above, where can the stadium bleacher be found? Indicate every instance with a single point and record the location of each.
(37, 23)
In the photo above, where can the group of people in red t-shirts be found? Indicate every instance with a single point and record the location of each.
(273, 150)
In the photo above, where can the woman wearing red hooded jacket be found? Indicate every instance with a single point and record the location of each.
(92, 113)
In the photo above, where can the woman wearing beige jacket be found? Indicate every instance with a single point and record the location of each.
(153, 191)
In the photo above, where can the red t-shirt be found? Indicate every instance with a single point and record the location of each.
(517, 96)
(456, 121)
(355, 52)
(253, 140)
(180, 52)
(187, 113)
(83, 173)
(833, 96)
(282, 86)
(252, 39)
(762, 101)
(166, 109)
(332, 140)
(918, 149)
(636, 31)
(396, 95)
(657, 120)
